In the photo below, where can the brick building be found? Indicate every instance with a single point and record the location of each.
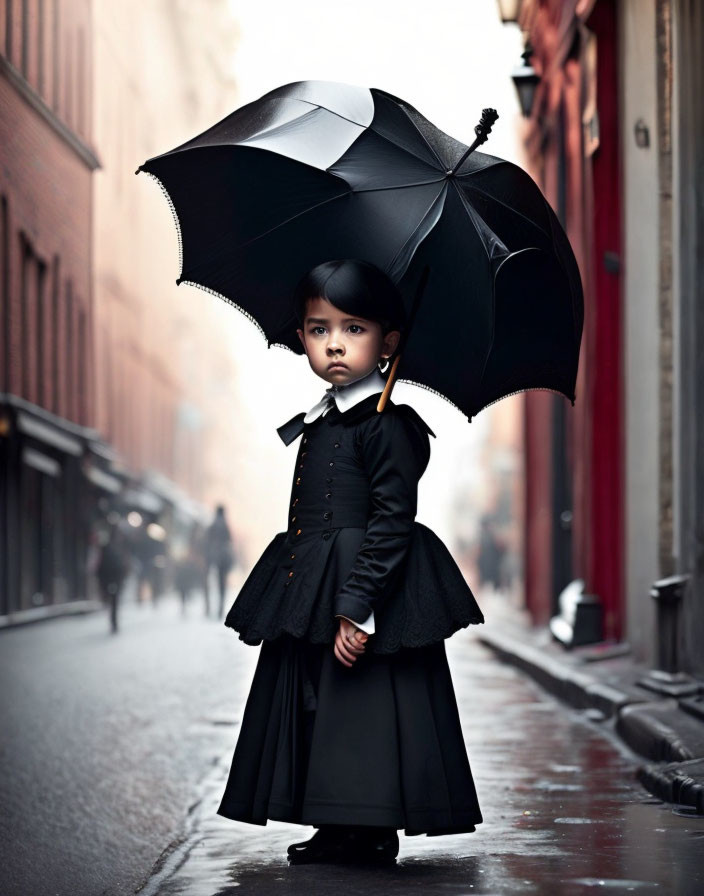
(47, 406)
(117, 391)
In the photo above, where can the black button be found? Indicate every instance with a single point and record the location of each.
(337, 445)
(293, 519)
(304, 439)
(290, 574)
(326, 535)
(287, 582)
(292, 556)
(328, 479)
(327, 514)
(332, 463)
(298, 481)
(329, 495)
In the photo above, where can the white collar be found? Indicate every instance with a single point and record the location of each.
(348, 394)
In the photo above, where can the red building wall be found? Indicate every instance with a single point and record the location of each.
(46, 166)
(571, 168)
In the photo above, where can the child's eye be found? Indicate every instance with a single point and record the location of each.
(357, 329)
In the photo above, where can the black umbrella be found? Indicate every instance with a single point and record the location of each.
(318, 170)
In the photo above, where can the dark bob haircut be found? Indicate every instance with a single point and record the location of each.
(357, 287)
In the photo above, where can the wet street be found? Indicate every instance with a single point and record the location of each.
(563, 814)
(105, 741)
(117, 752)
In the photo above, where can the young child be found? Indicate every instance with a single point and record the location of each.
(351, 723)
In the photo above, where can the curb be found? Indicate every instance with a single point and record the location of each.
(51, 611)
(676, 782)
(579, 689)
(652, 728)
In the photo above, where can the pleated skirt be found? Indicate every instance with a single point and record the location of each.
(379, 743)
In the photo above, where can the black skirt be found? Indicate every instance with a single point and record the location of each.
(379, 743)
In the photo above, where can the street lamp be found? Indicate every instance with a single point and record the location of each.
(508, 10)
(526, 80)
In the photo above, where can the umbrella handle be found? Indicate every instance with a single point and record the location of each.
(385, 395)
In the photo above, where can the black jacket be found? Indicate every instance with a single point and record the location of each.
(352, 543)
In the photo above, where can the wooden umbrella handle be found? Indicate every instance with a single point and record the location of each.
(386, 394)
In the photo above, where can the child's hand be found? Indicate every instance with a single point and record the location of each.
(350, 642)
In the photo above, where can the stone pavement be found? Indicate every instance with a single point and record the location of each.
(666, 728)
(563, 813)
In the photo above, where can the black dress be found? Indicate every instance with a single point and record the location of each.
(378, 743)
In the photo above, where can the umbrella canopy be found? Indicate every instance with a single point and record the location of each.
(317, 170)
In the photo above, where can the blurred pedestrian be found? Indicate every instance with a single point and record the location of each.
(191, 569)
(220, 553)
(490, 553)
(113, 567)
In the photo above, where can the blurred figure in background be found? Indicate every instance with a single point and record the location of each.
(220, 553)
(113, 566)
(150, 550)
(490, 552)
(192, 568)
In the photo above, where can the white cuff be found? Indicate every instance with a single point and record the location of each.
(366, 626)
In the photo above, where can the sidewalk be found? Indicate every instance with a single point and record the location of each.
(604, 680)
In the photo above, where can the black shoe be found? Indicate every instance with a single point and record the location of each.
(378, 845)
(342, 844)
(322, 841)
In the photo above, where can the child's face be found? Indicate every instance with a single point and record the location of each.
(330, 334)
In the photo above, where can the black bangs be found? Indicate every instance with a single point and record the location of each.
(356, 287)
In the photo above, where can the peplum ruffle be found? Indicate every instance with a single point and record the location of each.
(430, 601)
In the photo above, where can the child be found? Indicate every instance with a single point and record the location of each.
(351, 724)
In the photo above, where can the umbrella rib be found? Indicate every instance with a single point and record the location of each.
(268, 132)
(332, 112)
(371, 127)
(472, 212)
(292, 218)
(420, 183)
(339, 196)
(402, 148)
(423, 138)
(504, 204)
(415, 230)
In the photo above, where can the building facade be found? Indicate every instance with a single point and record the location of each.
(574, 511)
(613, 138)
(47, 404)
(117, 390)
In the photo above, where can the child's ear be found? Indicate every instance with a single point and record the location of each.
(391, 341)
(302, 338)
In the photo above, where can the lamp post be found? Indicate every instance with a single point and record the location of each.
(526, 80)
(508, 10)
